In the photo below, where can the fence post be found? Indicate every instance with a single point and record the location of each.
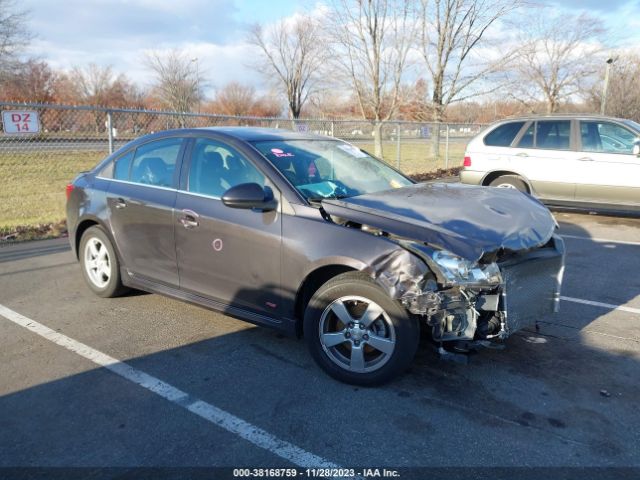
(446, 150)
(332, 128)
(110, 130)
(398, 146)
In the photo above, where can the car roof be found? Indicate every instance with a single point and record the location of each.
(246, 134)
(254, 134)
(568, 116)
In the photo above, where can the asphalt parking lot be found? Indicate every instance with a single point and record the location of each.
(564, 396)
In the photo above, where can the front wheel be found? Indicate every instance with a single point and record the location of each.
(357, 333)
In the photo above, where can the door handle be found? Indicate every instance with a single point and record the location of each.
(522, 154)
(585, 159)
(120, 203)
(189, 219)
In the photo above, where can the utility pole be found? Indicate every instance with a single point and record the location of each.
(195, 59)
(605, 87)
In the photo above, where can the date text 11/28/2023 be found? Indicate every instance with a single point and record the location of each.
(314, 473)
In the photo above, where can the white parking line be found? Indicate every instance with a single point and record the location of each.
(211, 413)
(600, 304)
(601, 240)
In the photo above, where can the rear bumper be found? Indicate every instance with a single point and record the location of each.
(471, 177)
(532, 282)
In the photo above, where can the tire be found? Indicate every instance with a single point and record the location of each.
(357, 356)
(102, 276)
(510, 181)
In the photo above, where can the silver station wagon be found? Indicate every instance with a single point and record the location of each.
(574, 161)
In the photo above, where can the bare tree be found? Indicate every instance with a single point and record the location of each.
(451, 32)
(293, 51)
(31, 81)
(14, 34)
(235, 99)
(177, 80)
(98, 85)
(371, 40)
(558, 57)
(242, 100)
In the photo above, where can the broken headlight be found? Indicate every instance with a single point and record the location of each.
(457, 270)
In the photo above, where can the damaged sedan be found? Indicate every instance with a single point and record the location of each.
(315, 237)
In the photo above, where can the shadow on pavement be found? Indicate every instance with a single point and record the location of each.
(546, 400)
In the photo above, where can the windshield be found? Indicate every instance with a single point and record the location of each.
(321, 169)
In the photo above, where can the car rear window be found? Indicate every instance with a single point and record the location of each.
(503, 135)
(547, 134)
(553, 134)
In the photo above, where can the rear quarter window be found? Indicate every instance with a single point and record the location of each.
(503, 135)
(122, 166)
(118, 168)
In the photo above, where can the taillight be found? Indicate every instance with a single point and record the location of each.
(69, 189)
(467, 162)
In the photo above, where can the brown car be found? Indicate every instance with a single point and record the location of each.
(315, 237)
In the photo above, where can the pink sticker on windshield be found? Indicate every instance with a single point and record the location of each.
(280, 153)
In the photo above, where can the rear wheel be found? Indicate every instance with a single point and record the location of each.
(510, 181)
(357, 334)
(100, 265)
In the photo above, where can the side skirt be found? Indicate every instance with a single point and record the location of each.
(286, 325)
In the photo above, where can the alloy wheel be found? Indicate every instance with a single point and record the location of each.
(357, 334)
(97, 263)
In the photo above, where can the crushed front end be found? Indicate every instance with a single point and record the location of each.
(464, 301)
(476, 263)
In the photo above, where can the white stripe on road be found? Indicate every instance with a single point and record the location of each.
(215, 415)
(601, 240)
(600, 304)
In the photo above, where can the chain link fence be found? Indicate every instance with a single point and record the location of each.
(35, 167)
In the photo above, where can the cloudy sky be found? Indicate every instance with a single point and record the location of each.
(118, 32)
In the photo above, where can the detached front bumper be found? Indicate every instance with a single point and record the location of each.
(532, 283)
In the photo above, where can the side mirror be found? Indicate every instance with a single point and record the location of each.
(249, 196)
(636, 147)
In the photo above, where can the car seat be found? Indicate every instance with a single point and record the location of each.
(591, 141)
(239, 171)
(152, 171)
(208, 180)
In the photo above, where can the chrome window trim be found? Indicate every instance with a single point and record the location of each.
(164, 188)
(281, 202)
(203, 195)
(159, 187)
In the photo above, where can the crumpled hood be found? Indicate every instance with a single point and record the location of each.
(467, 220)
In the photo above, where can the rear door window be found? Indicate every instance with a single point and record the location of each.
(503, 135)
(527, 140)
(154, 163)
(553, 134)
